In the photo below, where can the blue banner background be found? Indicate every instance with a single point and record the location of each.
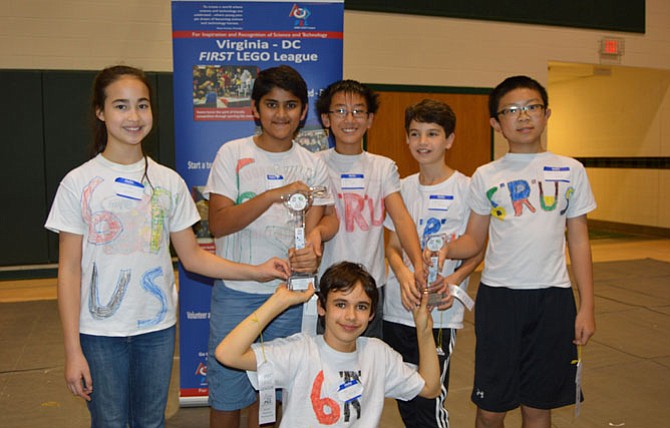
(221, 39)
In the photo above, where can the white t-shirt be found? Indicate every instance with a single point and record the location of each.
(440, 208)
(529, 198)
(361, 183)
(127, 278)
(311, 373)
(242, 170)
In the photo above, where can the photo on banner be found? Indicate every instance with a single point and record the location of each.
(219, 47)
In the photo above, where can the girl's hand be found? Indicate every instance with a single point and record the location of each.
(78, 376)
(271, 269)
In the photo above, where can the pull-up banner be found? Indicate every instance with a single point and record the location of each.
(218, 49)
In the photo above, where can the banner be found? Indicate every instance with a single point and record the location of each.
(218, 49)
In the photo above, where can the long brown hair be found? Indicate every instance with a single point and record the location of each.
(102, 80)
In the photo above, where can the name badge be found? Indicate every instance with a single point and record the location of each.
(440, 202)
(266, 393)
(274, 181)
(349, 391)
(129, 189)
(352, 181)
(557, 173)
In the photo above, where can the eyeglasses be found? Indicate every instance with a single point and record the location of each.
(342, 113)
(514, 112)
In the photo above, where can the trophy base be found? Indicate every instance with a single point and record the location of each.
(300, 282)
(435, 299)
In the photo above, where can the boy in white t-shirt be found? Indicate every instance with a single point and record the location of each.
(247, 217)
(527, 326)
(339, 379)
(365, 187)
(435, 198)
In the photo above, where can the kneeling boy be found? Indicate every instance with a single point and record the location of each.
(338, 378)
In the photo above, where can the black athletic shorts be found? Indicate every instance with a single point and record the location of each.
(524, 353)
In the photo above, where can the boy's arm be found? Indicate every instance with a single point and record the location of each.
(429, 365)
(235, 349)
(470, 244)
(466, 268)
(409, 294)
(406, 231)
(582, 268)
(225, 217)
(321, 224)
(202, 262)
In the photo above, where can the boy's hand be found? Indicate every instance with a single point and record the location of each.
(585, 327)
(440, 287)
(422, 318)
(314, 238)
(410, 295)
(293, 297)
(441, 257)
(304, 260)
(288, 189)
(271, 269)
(420, 277)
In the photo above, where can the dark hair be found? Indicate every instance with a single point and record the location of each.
(102, 80)
(283, 77)
(344, 276)
(348, 87)
(431, 111)
(510, 84)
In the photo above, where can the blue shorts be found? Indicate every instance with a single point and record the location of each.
(524, 353)
(230, 389)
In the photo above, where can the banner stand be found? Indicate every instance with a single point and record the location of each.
(219, 47)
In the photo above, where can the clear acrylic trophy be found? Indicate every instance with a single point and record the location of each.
(434, 243)
(298, 203)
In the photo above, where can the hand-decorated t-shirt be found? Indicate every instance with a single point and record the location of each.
(125, 219)
(529, 198)
(324, 387)
(242, 170)
(360, 183)
(436, 209)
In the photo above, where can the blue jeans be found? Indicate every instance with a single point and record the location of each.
(131, 378)
(230, 389)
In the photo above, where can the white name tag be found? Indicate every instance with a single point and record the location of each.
(266, 394)
(352, 181)
(461, 295)
(129, 189)
(440, 202)
(274, 181)
(557, 173)
(349, 391)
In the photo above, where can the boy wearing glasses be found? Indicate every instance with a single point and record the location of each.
(365, 187)
(527, 326)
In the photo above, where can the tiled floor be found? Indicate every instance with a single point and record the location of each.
(626, 365)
